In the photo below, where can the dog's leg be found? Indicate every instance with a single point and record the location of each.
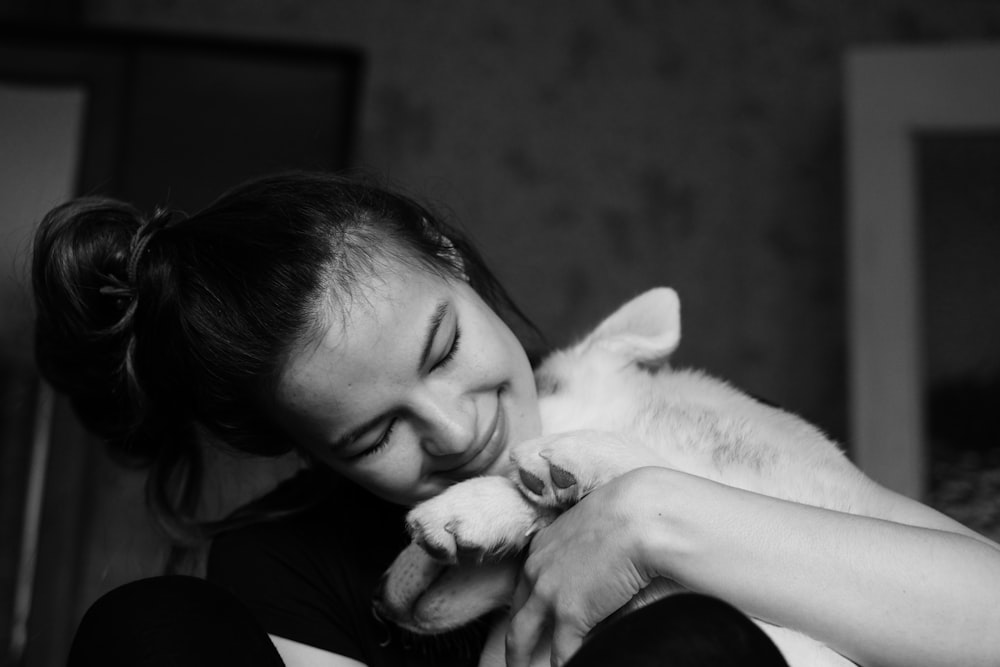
(481, 517)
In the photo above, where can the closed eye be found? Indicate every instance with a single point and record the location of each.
(379, 445)
(446, 359)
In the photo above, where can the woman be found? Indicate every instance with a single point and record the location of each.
(327, 315)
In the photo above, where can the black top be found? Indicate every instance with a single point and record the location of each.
(309, 577)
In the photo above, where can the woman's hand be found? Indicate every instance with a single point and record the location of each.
(580, 569)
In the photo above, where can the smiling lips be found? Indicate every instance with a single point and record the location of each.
(491, 449)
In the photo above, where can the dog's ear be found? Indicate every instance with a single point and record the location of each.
(645, 330)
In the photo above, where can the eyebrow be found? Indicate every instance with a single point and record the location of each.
(432, 328)
(433, 325)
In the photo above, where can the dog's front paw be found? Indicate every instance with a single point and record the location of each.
(480, 518)
(557, 470)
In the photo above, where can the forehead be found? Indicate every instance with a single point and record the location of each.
(369, 339)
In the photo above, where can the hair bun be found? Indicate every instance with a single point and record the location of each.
(82, 298)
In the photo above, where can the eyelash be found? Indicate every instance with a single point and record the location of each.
(383, 440)
(381, 444)
(451, 352)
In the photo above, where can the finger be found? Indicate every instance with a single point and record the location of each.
(522, 591)
(566, 641)
(527, 630)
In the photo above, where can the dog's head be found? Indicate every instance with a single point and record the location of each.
(611, 362)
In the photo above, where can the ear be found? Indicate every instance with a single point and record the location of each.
(645, 330)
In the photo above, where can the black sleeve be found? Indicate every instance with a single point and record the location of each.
(310, 577)
(292, 594)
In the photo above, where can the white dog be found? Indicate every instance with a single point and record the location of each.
(611, 404)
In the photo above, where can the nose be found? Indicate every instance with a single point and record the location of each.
(449, 423)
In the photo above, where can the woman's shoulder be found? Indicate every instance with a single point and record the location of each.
(309, 572)
(314, 512)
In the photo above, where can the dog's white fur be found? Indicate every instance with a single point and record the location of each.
(611, 404)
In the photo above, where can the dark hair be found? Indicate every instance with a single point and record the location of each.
(164, 329)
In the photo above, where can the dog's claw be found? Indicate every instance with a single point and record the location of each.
(436, 551)
(562, 478)
(531, 482)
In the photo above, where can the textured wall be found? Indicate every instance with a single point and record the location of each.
(595, 148)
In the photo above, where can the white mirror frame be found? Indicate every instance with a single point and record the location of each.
(890, 94)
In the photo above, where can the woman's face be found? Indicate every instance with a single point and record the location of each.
(414, 384)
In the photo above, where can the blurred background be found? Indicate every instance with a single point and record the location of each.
(593, 149)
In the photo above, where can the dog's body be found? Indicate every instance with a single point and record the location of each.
(609, 405)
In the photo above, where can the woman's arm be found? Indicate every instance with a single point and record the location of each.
(880, 592)
(901, 509)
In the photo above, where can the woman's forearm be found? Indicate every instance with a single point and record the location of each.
(882, 593)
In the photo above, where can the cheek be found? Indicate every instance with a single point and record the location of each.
(506, 354)
(394, 476)
(524, 398)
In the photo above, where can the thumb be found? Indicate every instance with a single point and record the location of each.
(566, 640)
(526, 626)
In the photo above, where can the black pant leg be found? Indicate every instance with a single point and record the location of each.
(171, 621)
(684, 630)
